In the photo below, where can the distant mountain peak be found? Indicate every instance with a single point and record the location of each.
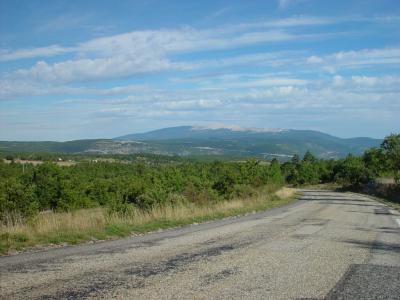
(237, 128)
(228, 140)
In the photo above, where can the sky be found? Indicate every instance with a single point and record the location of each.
(101, 69)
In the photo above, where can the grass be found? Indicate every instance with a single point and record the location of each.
(95, 224)
(322, 186)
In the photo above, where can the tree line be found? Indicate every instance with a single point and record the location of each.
(120, 186)
(24, 192)
(350, 172)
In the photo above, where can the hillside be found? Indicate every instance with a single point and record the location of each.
(191, 140)
(253, 141)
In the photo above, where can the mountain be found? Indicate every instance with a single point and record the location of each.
(198, 132)
(251, 141)
(196, 140)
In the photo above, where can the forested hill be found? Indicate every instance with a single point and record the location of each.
(254, 141)
(191, 140)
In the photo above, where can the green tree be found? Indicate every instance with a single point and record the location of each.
(391, 151)
(224, 185)
(352, 172)
(16, 201)
(374, 161)
(275, 175)
(295, 159)
(308, 157)
(307, 173)
(47, 179)
(98, 191)
(134, 194)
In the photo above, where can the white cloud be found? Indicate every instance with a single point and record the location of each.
(173, 40)
(374, 81)
(361, 58)
(99, 68)
(338, 81)
(316, 96)
(139, 62)
(148, 51)
(118, 60)
(286, 3)
(10, 89)
(135, 53)
(379, 83)
(264, 82)
(365, 80)
(220, 12)
(314, 60)
(7, 55)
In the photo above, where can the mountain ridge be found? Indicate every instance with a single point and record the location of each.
(205, 140)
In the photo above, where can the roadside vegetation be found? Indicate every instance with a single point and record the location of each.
(93, 224)
(47, 203)
(376, 172)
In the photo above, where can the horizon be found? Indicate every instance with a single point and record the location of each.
(102, 70)
(200, 127)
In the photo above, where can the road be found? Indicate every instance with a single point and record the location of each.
(327, 245)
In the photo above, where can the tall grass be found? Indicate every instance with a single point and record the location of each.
(94, 224)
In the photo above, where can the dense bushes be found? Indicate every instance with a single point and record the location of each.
(349, 172)
(24, 191)
(121, 186)
(306, 171)
(16, 200)
(390, 151)
(352, 172)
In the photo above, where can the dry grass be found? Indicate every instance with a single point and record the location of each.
(91, 224)
(286, 192)
(322, 186)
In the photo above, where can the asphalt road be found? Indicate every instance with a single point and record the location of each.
(327, 245)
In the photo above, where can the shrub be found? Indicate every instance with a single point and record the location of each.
(16, 201)
(224, 186)
(199, 195)
(391, 150)
(117, 206)
(352, 172)
(47, 179)
(243, 191)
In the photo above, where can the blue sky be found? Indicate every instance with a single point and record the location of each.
(100, 69)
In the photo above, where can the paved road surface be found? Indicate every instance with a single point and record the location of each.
(327, 245)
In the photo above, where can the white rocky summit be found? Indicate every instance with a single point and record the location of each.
(237, 128)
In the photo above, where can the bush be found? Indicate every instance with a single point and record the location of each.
(118, 207)
(174, 199)
(307, 173)
(152, 181)
(224, 186)
(47, 179)
(199, 195)
(243, 191)
(152, 198)
(16, 201)
(352, 172)
(133, 193)
(391, 150)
